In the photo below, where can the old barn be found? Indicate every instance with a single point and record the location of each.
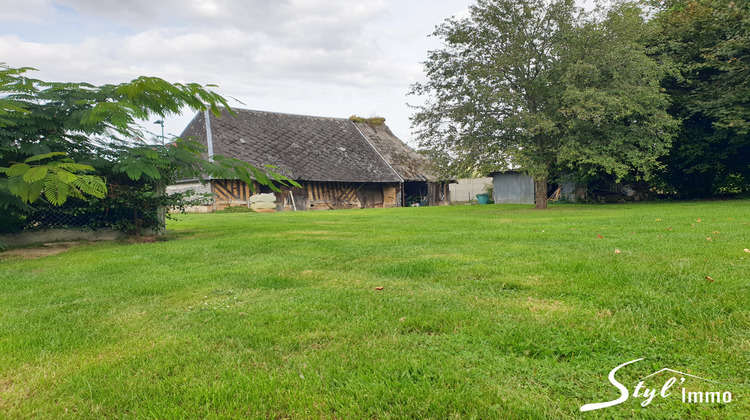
(339, 163)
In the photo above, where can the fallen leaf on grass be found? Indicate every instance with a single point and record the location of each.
(709, 239)
(379, 288)
(670, 228)
(599, 236)
(698, 221)
(617, 251)
(658, 220)
(402, 319)
(709, 278)
(747, 250)
(716, 231)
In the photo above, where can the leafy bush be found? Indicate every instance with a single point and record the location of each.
(73, 154)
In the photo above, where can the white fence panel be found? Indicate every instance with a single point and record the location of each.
(467, 188)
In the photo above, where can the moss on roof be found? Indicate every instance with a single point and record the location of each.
(374, 121)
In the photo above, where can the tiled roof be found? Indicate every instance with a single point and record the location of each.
(303, 147)
(409, 164)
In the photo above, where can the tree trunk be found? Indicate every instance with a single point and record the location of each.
(161, 190)
(136, 223)
(540, 193)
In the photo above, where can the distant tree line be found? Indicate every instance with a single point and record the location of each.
(653, 91)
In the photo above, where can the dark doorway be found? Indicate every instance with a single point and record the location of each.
(415, 193)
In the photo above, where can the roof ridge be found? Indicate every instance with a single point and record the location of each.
(289, 114)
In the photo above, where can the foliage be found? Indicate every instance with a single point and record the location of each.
(129, 206)
(445, 166)
(610, 109)
(65, 140)
(709, 42)
(486, 85)
(41, 120)
(540, 85)
(57, 179)
(489, 189)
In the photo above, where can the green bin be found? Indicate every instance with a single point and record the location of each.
(483, 198)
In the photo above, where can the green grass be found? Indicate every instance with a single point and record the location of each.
(486, 312)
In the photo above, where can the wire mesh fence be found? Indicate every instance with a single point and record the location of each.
(50, 218)
(74, 214)
(128, 209)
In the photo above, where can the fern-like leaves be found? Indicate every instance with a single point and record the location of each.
(56, 180)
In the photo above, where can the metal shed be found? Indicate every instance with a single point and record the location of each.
(512, 187)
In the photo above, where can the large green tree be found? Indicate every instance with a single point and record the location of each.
(709, 42)
(609, 107)
(541, 85)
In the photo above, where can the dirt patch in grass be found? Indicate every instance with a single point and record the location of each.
(44, 250)
(545, 306)
(312, 232)
(144, 239)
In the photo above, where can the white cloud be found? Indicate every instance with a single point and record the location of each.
(319, 57)
(26, 11)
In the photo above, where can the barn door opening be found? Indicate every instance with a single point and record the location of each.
(416, 193)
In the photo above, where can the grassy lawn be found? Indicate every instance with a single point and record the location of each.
(486, 312)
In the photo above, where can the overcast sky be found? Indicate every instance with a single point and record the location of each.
(332, 58)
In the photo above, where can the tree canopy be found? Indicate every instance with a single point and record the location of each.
(55, 136)
(543, 86)
(75, 154)
(709, 43)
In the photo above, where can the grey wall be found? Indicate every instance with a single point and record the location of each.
(57, 235)
(182, 187)
(513, 188)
